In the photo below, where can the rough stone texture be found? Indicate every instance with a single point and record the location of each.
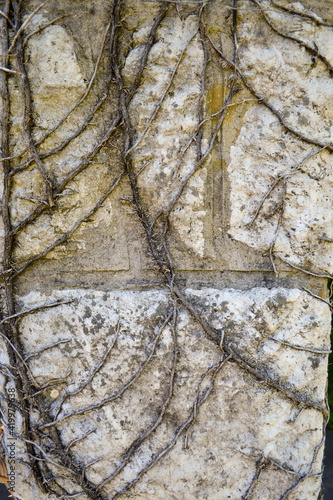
(262, 153)
(251, 427)
(264, 150)
(277, 429)
(160, 146)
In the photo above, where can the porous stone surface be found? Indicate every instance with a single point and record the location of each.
(262, 153)
(265, 151)
(211, 385)
(163, 150)
(228, 436)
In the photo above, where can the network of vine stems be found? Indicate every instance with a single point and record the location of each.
(46, 453)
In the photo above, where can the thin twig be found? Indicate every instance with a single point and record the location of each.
(281, 177)
(80, 100)
(309, 140)
(35, 309)
(24, 25)
(69, 233)
(318, 297)
(137, 442)
(305, 15)
(160, 16)
(169, 446)
(297, 398)
(90, 376)
(278, 225)
(164, 93)
(311, 273)
(7, 70)
(214, 370)
(80, 438)
(300, 348)
(64, 143)
(27, 123)
(51, 383)
(261, 464)
(312, 50)
(198, 164)
(39, 351)
(115, 396)
(20, 357)
(47, 458)
(68, 178)
(2, 14)
(38, 30)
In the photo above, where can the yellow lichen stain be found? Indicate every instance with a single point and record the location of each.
(214, 98)
(214, 103)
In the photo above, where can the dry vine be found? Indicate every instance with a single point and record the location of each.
(45, 449)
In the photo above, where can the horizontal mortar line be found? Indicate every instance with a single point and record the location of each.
(110, 285)
(198, 272)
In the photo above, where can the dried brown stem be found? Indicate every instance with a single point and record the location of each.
(109, 27)
(90, 376)
(264, 378)
(148, 432)
(305, 15)
(163, 95)
(318, 297)
(278, 225)
(203, 157)
(35, 32)
(51, 383)
(283, 177)
(28, 123)
(172, 443)
(65, 142)
(69, 233)
(35, 309)
(305, 271)
(62, 184)
(78, 102)
(80, 438)
(214, 370)
(309, 140)
(25, 24)
(261, 464)
(42, 349)
(159, 18)
(301, 348)
(312, 50)
(7, 70)
(119, 393)
(19, 358)
(203, 81)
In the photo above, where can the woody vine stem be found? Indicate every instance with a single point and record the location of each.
(49, 458)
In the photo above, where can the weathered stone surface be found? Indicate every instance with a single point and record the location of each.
(163, 149)
(136, 367)
(57, 85)
(264, 151)
(54, 73)
(241, 421)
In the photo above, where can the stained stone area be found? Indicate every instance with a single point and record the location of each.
(166, 248)
(147, 353)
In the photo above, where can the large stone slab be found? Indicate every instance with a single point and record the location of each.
(220, 423)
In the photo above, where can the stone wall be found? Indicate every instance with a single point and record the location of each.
(166, 239)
